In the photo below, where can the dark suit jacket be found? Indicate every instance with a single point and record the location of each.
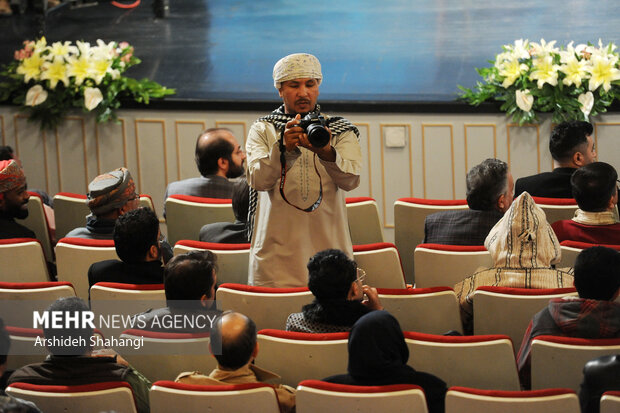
(212, 186)
(555, 184)
(224, 232)
(120, 272)
(459, 227)
(9, 228)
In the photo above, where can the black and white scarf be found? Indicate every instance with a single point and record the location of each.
(279, 119)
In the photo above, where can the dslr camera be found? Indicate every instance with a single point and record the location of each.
(314, 126)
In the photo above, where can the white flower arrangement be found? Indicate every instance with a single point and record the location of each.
(570, 82)
(49, 80)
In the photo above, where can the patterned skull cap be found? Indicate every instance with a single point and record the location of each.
(296, 66)
(110, 191)
(11, 175)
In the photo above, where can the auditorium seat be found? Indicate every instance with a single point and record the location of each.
(505, 310)
(38, 223)
(320, 396)
(570, 250)
(558, 361)
(169, 396)
(610, 402)
(424, 310)
(109, 396)
(74, 256)
(409, 215)
(22, 261)
(557, 209)
(19, 300)
(70, 211)
(164, 355)
(440, 265)
(364, 221)
(267, 307)
(299, 356)
(185, 215)
(382, 265)
(232, 259)
(482, 362)
(468, 400)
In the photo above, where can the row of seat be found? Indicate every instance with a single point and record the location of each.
(312, 396)
(436, 265)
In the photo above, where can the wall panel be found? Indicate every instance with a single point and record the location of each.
(111, 144)
(30, 146)
(523, 144)
(187, 131)
(152, 159)
(395, 167)
(606, 137)
(438, 161)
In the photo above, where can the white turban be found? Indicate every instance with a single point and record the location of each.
(296, 66)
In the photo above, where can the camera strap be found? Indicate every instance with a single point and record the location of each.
(316, 203)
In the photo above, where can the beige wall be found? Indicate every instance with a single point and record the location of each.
(158, 148)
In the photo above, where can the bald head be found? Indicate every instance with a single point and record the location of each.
(215, 150)
(238, 340)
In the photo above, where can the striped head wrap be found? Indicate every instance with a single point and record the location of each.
(11, 175)
(110, 191)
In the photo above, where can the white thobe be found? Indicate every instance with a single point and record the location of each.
(284, 237)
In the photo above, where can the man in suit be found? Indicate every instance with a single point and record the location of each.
(231, 232)
(136, 239)
(489, 194)
(218, 158)
(571, 146)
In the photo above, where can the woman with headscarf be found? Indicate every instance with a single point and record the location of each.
(378, 356)
(524, 247)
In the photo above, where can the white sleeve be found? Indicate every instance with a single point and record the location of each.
(345, 170)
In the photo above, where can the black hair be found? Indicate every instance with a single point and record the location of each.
(6, 153)
(330, 274)
(208, 154)
(5, 343)
(236, 350)
(567, 137)
(134, 233)
(486, 182)
(241, 200)
(597, 273)
(593, 185)
(80, 336)
(190, 276)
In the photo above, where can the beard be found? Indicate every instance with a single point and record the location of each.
(235, 171)
(18, 212)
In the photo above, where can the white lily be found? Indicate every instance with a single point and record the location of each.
(544, 71)
(574, 69)
(36, 95)
(603, 71)
(520, 50)
(587, 102)
(543, 48)
(510, 71)
(92, 97)
(524, 100)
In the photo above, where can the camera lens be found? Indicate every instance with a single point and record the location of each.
(318, 135)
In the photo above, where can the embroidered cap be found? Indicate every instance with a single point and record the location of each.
(296, 66)
(11, 175)
(110, 191)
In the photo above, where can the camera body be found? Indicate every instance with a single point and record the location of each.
(314, 126)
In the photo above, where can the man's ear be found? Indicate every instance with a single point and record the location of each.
(255, 351)
(353, 291)
(222, 164)
(578, 159)
(153, 252)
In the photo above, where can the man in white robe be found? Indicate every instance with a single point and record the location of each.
(306, 213)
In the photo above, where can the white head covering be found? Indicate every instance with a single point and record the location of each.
(523, 238)
(296, 66)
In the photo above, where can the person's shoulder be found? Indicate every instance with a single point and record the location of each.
(448, 215)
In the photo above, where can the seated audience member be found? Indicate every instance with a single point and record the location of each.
(136, 240)
(231, 232)
(378, 356)
(489, 195)
(571, 146)
(218, 158)
(6, 154)
(13, 201)
(75, 365)
(189, 284)
(600, 375)
(595, 188)
(523, 247)
(109, 196)
(235, 334)
(594, 314)
(340, 296)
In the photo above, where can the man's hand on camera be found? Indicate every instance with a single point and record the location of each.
(371, 298)
(295, 136)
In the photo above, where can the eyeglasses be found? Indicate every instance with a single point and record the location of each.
(361, 275)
